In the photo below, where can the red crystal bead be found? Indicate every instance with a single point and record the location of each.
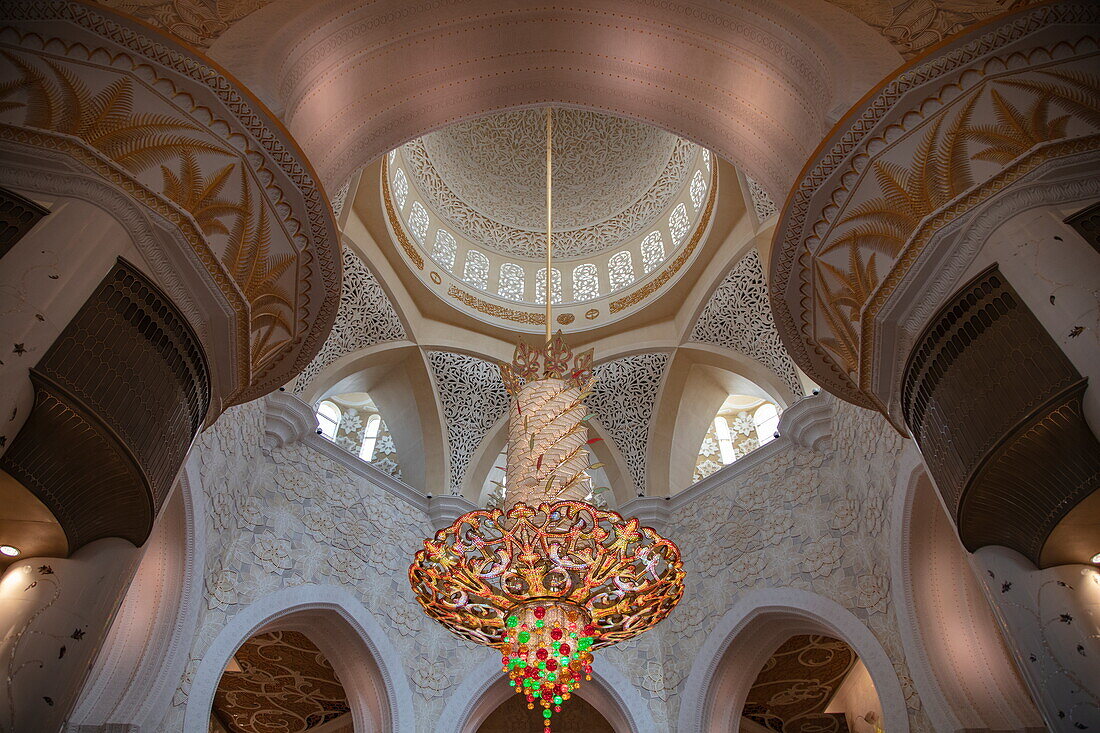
(540, 612)
(541, 653)
(551, 665)
(564, 650)
(555, 633)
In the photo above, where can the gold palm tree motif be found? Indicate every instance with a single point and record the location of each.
(248, 259)
(940, 171)
(61, 102)
(1075, 92)
(198, 196)
(1016, 131)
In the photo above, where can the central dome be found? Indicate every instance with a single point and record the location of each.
(487, 178)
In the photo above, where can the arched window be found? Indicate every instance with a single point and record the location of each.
(555, 285)
(393, 154)
(706, 159)
(418, 221)
(370, 437)
(511, 281)
(725, 440)
(766, 419)
(653, 250)
(445, 248)
(328, 419)
(678, 224)
(476, 269)
(620, 270)
(743, 423)
(586, 284)
(698, 189)
(400, 189)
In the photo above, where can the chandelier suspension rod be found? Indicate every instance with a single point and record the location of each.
(549, 204)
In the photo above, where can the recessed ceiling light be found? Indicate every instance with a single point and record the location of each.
(9, 550)
(1095, 558)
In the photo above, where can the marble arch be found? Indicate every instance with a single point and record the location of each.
(758, 93)
(953, 647)
(750, 632)
(146, 651)
(360, 652)
(484, 688)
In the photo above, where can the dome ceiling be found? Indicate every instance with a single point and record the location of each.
(613, 177)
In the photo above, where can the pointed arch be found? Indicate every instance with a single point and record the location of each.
(363, 658)
(746, 636)
(484, 688)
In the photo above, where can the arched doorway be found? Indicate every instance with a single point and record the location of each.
(345, 635)
(763, 623)
(279, 682)
(814, 683)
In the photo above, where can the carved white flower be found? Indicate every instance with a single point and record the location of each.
(748, 568)
(346, 566)
(221, 510)
(389, 557)
(776, 526)
(845, 515)
(221, 588)
(740, 534)
(873, 590)
(430, 676)
(757, 495)
(340, 493)
(822, 557)
(654, 680)
(319, 521)
(710, 559)
(873, 515)
(296, 485)
(703, 517)
(354, 531)
(249, 512)
(273, 553)
(801, 488)
(706, 468)
(686, 620)
(186, 681)
(405, 615)
(909, 690)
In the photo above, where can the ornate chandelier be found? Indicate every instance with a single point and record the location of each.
(549, 578)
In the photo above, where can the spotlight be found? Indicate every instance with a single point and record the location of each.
(9, 551)
(1095, 558)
